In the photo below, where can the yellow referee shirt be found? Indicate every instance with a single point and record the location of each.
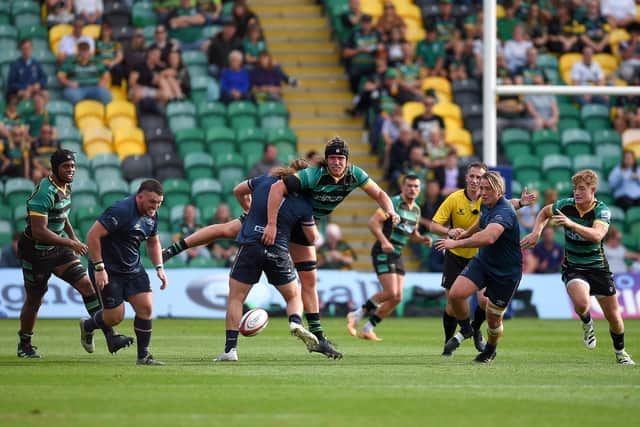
(461, 212)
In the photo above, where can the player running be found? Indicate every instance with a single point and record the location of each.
(585, 270)
(386, 255)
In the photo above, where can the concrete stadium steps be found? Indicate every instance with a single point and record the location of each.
(299, 37)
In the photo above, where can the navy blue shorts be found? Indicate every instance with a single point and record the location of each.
(298, 236)
(122, 286)
(500, 290)
(252, 260)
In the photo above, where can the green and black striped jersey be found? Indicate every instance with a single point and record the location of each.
(399, 234)
(578, 251)
(327, 192)
(51, 201)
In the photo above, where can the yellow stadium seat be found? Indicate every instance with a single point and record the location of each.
(638, 12)
(443, 97)
(56, 33)
(459, 137)
(117, 94)
(121, 122)
(630, 136)
(566, 77)
(618, 35)
(412, 109)
(448, 110)
(92, 31)
(371, 7)
(88, 122)
(439, 84)
(462, 150)
(88, 108)
(452, 123)
(635, 147)
(97, 147)
(567, 60)
(121, 108)
(608, 62)
(414, 32)
(98, 134)
(128, 135)
(127, 149)
(407, 10)
(499, 11)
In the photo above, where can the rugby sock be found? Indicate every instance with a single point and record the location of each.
(374, 319)
(359, 313)
(465, 327)
(449, 324)
(25, 337)
(368, 327)
(478, 318)
(370, 306)
(143, 333)
(313, 319)
(231, 340)
(490, 348)
(92, 304)
(174, 249)
(618, 341)
(295, 318)
(585, 317)
(95, 322)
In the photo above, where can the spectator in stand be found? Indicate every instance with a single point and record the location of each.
(617, 254)
(433, 198)
(253, 44)
(588, 72)
(39, 117)
(26, 76)
(83, 77)
(417, 164)
(335, 253)
(530, 69)
(352, 19)
(15, 154)
(165, 44)
(515, 50)
(512, 112)
(509, 21)
(398, 49)
(11, 117)
(396, 163)
(179, 73)
(630, 53)
(449, 28)
(536, 27)
(185, 23)
(211, 9)
(548, 254)
(624, 181)
(222, 44)
(389, 21)
(243, 17)
(371, 89)
(391, 129)
(627, 110)
(269, 160)
(596, 34)
(266, 79)
(9, 254)
(135, 53)
(151, 81)
(563, 32)
(361, 51)
(437, 148)
(41, 151)
(109, 52)
(224, 250)
(458, 61)
(619, 13)
(189, 226)
(427, 122)
(89, 10)
(234, 81)
(450, 176)
(543, 108)
(529, 262)
(69, 44)
(59, 12)
(431, 54)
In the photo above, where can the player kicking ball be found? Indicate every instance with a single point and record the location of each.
(386, 255)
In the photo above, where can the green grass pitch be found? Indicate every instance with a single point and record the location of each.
(543, 376)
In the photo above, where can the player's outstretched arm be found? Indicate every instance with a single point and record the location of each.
(542, 218)
(526, 198)
(486, 237)
(154, 249)
(374, 191)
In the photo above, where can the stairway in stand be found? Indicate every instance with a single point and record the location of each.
(299, 37)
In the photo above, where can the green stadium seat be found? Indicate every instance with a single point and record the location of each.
(33, 32)
(242, 114)
(252, 152)
(234, 206)
(516, 149)
(208, 211)
(69, 134)
(230, 170)
(511, 135)
(194, 57)
(206, 191)
(7, 55)
(568, 111)
(5, 13)
(175, 262)
(16, 191)
(24, 6)
(556, 168)
(632, 216)
(273, 115)
(25, 108)
(82, 174)
(564, 189)
(595, 117)
(176, 216)
(248, 135)
(210, 31)
(143, 15)
(286, 151)
(6, 232)
(64, 122)
(105, 164)
(8, 32)
(180, 108)
(547, 61)
(27, 19)
(189, 141)
(516, 187)
(135, 184)
(617, 217)
(605, 136)
(220, 134)
(200, 87)
(202, 262)
(85, 193)
(177, 192)
(198, 165)
(20, 213)
(282, 135)
(527, 169)
(576, 141)
(112, 190)
(221, 147)
(60, 108)
(86, 216)
(212, 114)
(587, 161)
(182, 122)
(630, 241)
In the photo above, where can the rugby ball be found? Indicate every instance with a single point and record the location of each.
(253, 321)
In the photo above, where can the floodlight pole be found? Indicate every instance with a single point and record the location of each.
(489, 116)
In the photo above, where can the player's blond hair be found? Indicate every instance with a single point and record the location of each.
(587, 177)
(294, 166)
(496, 182)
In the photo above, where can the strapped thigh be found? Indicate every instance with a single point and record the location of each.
(306, 265)
(74, 273)
(494, 309)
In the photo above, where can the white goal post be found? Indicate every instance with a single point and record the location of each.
(490, 88)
